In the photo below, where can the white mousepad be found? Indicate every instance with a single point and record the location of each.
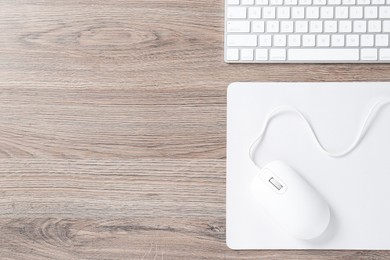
(356, 187)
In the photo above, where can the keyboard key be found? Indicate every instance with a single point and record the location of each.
(323, 40)
(232, 54)
(319, 2)
(312, 12)
(283, 12)
(298, 12)
(363, 2)
(262, 54)
(384, 54)
(286, 26)
(367, 40)
(258, 26)
(386, 26)
(294, 40)
(261, 2)
(236, 12)
(269, 12)
(238, 26)
(254, 12)
(302, 26)
(349, 2)
(330, 26)
(276, 2)
(338, 40)
(368, 54)
(374, 26)
(315, 26)
(352, 40)
(280, 40)
(308, 40)
(323, 54)
(341, 12)
(247, 54)
(370, 12)
(290, 2)
(272, 27)
(247, 2)
(327, 12)
(356, 12)
(382, 40)
(265, 40)
(345, 26)
(242, 40)
(384, 12)
(278, 54)
(233, 2)
(359, 26)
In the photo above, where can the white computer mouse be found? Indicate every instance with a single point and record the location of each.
(291, 200)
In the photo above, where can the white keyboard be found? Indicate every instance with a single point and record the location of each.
(308, 31)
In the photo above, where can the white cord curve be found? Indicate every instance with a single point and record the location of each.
(372, 113)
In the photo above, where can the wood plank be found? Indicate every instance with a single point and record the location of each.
(116, 188)
(136, 238)
(111, 123)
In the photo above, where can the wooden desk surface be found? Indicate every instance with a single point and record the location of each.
(112, 130)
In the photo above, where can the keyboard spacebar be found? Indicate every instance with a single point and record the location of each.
(323, 54)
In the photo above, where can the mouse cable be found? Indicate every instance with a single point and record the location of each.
(372, 113)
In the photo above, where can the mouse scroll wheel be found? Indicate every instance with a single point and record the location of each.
(275, 183)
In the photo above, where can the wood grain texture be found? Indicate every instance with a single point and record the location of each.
(112, 130)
